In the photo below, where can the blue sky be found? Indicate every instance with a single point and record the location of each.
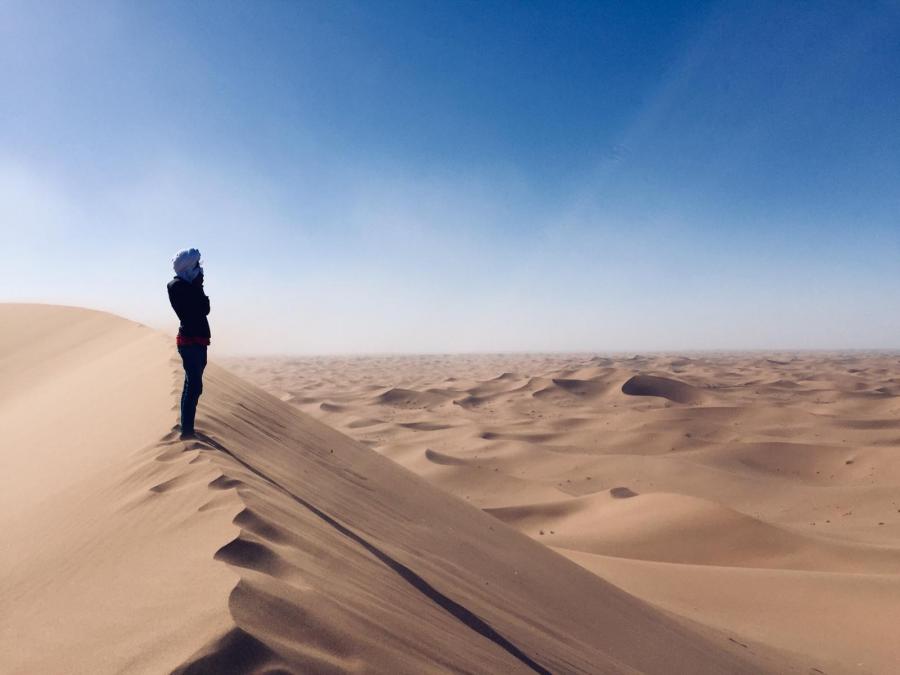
(461, 176)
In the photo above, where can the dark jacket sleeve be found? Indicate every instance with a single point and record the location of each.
(175, 300)
(191, 305)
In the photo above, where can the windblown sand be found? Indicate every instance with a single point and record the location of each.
(677, 534)
(754, 493)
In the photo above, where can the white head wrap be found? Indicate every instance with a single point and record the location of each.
(186, 265)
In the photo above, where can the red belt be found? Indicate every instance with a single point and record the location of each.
(186, 340)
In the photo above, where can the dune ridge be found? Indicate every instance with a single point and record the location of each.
(663, 387)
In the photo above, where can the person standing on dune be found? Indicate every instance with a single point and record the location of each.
(191, 304)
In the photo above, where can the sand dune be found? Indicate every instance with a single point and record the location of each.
(663, 387)
(273, 543)
(810, 612)
(723, 488)
(406, 398)
(582, 388)
(680, 529)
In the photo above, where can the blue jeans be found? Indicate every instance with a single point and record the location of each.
(194, 359)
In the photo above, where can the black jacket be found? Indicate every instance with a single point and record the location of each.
(191, 305)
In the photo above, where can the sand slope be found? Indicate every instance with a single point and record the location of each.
(724, 488)
(272, 544)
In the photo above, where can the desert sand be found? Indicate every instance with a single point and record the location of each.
(757, 494)
(441, 515)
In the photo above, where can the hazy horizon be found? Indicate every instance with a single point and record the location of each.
(442, 177)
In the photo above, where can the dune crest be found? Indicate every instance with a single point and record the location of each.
(662, 387)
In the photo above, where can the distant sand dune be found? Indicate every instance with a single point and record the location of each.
(406, 398)
(441, 458)
(425, 426)
(587, 388)
(663, 387)
(679, 529)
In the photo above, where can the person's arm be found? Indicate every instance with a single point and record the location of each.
(203, 298)
(176, 299)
